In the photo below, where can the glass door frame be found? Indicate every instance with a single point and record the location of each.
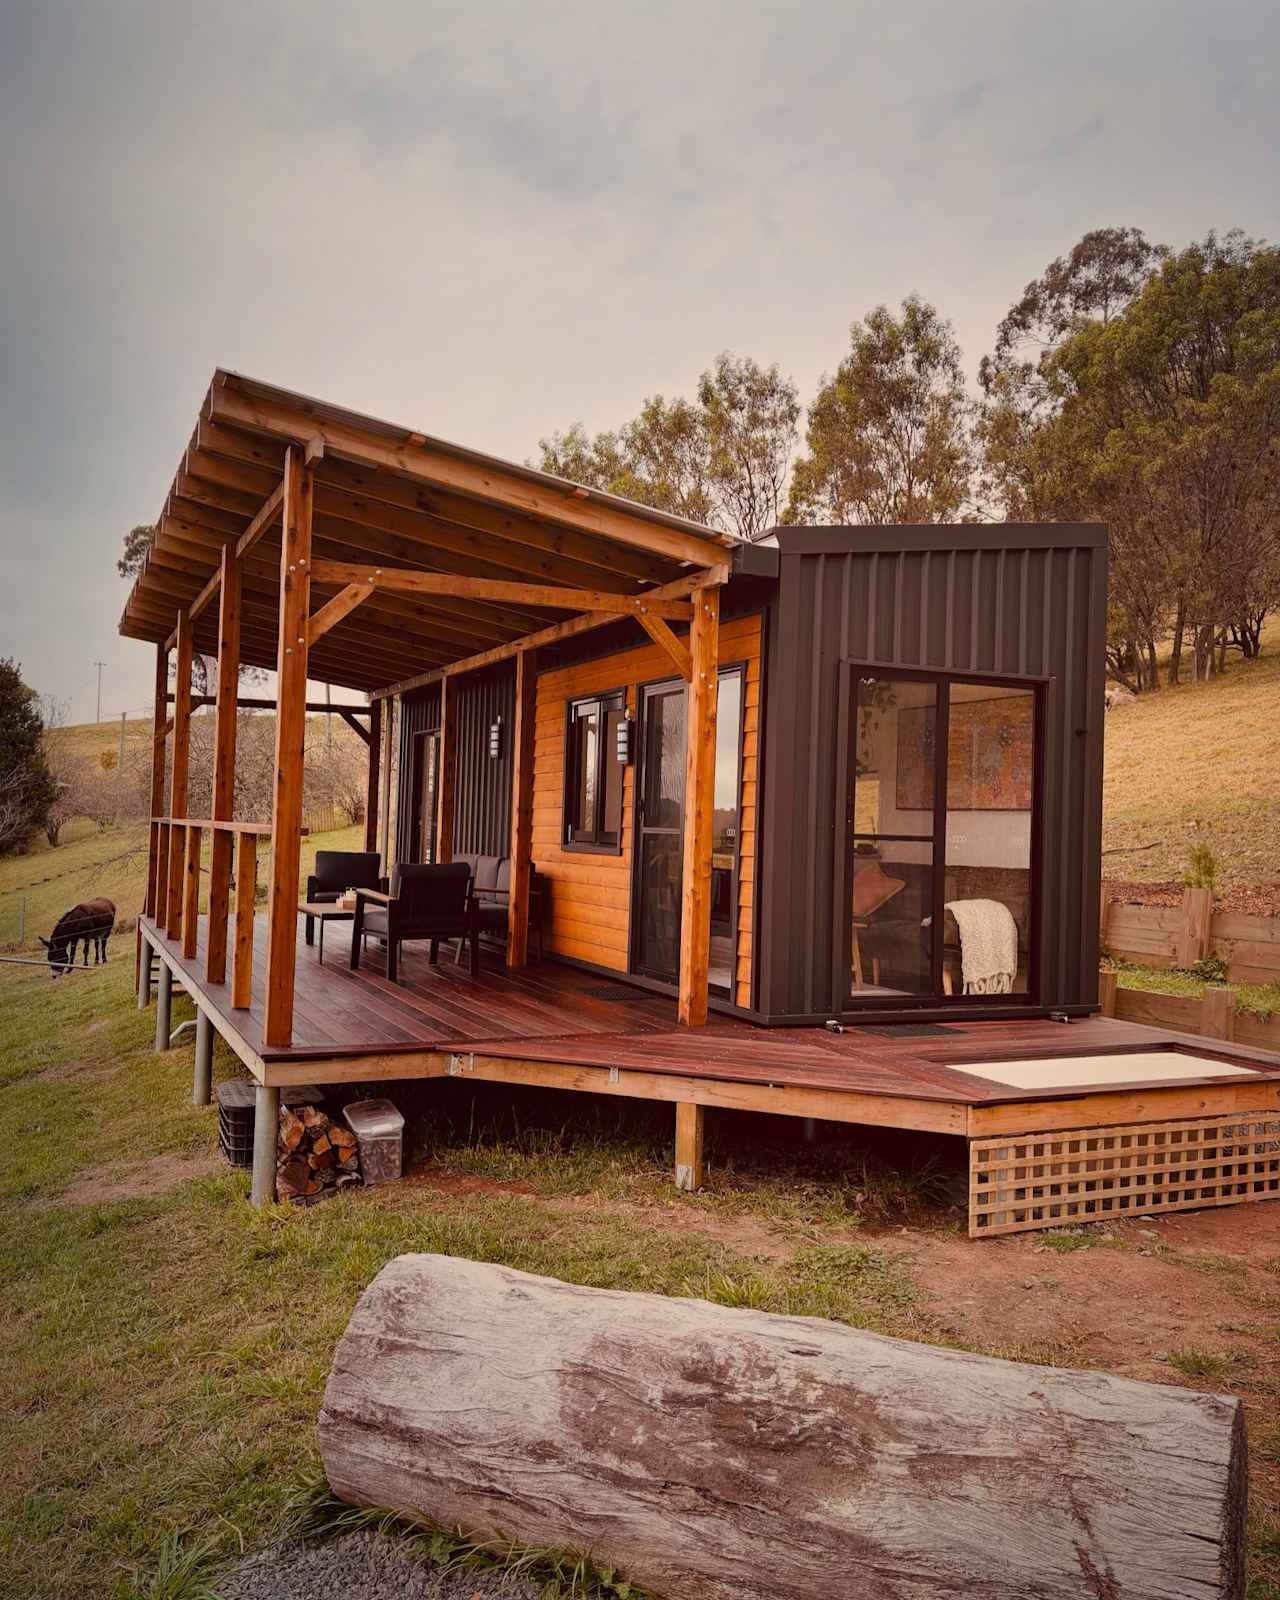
(724, 669)
(1041, 689)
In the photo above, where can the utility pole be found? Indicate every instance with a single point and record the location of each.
(98, 714)
(328, 719)
(120, 756)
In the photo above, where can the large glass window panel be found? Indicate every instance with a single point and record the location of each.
(990, 790)
(894, 822)
(593, 774)
(611, 802)
(725, 829)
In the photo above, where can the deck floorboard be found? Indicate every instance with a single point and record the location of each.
(558, 1014)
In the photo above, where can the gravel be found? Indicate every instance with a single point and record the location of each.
(359, 1566)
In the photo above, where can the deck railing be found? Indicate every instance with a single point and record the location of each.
(173, 892)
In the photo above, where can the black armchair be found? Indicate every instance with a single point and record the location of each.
(336, 872)
(426, 902)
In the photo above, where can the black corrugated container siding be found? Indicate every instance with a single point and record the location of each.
(482, 799)
(1019, 600)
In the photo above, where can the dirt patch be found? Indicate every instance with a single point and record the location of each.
(1145, 1289)
(439, 1181)
(1254, 899)
(157, 1176)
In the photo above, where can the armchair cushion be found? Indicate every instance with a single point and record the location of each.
(336, 871)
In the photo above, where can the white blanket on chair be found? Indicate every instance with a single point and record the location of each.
(988, 945)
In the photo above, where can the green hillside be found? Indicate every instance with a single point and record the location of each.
(1206, 756)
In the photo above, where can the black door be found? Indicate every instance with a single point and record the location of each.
(660, 830)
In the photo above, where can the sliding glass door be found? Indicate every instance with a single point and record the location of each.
(941, 809)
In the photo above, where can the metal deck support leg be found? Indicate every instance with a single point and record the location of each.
(202, 1082)
(145, 957)
(266, 1122)
(164, 1003)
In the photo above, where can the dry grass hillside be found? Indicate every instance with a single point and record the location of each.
(1204, 756)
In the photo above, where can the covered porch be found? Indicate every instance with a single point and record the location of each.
(327, 546)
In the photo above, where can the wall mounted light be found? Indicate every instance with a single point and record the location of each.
(495, 740)
(624, 741)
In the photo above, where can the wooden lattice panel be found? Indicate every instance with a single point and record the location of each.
(1050, 1180)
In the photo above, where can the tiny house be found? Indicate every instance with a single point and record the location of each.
(908, 720)
(810, 826)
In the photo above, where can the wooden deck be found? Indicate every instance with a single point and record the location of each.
(1037, 1159)
(560, 1027)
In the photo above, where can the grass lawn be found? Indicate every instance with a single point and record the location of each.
(111, 864)
(1203, 752)
(166, 1345)
(1261, 999)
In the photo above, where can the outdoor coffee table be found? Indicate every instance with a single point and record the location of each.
(324, 911)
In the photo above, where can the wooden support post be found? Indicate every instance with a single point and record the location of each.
(291, 731)
(146, 955)
(521, 879)
(689, 1119)
(1193, 929)
(372, 784)
(1218, 1013)
(178, 782)
(158, 736)
(191, 892)
(446, 775)
(266, 1124)
(221, 845)
(1107, 993)
(161, 911)
(202, 1078)
(164, 1006)
(699, 804)
(246, 897)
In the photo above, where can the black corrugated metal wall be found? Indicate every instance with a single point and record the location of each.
(1023, 601)
(482, 804)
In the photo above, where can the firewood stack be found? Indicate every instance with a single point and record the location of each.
(313, 1155)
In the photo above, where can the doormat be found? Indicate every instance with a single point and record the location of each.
(613, 991)
(909, 1030)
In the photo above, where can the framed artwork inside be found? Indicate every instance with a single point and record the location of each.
(990, 755)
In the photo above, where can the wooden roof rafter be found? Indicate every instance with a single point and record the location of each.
(471, 557)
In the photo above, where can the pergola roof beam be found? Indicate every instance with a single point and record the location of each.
(292, 420)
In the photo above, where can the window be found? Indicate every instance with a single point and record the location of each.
(593, 774)
(943, 780)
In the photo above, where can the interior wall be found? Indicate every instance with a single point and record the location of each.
(974, 838)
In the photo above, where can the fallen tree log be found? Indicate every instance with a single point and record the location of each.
(715, 1454)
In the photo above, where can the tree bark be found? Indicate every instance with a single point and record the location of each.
(716, 1454)
(1175, 655)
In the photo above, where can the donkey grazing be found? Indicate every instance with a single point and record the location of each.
(92, 921)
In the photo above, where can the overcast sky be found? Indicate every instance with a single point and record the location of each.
(488, 220)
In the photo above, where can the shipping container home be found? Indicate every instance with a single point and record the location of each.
(809, 826)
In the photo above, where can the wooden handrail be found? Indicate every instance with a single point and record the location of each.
(262, 829)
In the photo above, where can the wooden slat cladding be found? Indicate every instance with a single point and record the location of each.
(589, 915)
(1007, 599)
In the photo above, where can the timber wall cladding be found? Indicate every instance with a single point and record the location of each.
(1153, 936)
(590, 894)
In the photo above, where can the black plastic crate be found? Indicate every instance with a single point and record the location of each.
(237, 1099)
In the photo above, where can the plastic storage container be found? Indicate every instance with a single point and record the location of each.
(379, 1131)
(237, 1098)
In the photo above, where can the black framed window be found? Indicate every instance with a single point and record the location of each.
(593, 773)
(943, 811)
